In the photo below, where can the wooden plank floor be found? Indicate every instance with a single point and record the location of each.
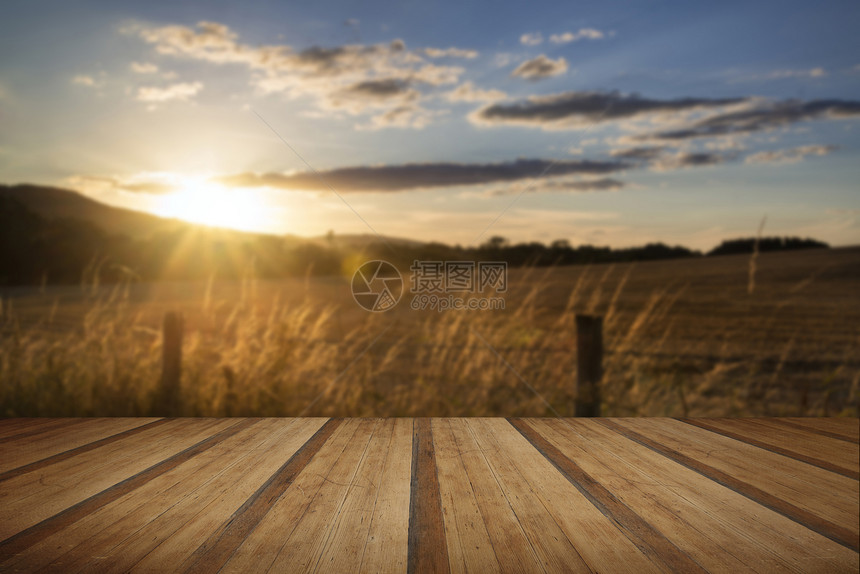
(429, 495)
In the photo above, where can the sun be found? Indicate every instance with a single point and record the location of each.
(199, 200)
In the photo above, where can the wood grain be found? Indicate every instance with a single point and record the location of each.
(630, 496)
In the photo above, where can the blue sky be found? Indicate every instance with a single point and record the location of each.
(607, 123)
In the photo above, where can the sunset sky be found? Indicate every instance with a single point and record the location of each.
(597, 122)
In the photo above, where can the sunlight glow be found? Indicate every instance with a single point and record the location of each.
(201, 201)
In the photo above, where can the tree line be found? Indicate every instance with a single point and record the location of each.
(34, 250)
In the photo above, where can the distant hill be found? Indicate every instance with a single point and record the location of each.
(59, 236)
(57, 203)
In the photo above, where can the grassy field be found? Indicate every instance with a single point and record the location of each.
(696, 337)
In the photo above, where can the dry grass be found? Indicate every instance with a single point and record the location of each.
(683, 338)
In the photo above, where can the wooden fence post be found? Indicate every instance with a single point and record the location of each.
(171, 368)
(589, 365)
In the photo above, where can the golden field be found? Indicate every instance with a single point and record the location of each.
(691, 337)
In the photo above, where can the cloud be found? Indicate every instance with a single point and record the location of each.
(407, 115)
(531, 39)
(640, 153)
(602, 184)
(540, 68)
(181, 92)
(379, 89)
(84, 80)
(467, 92)
(570, 110)
(410, 176)
(450, 53)
(583, 33)
(143, 68)
(154, 184)
(683, 160)
(792, 155)
(358, 72)
(811, 73)
(759, 116)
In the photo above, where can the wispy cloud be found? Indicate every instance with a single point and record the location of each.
(467, 92)
(387, 80)
(761, 115)
(450, 53)
(540, 68)
(582, 34)
(143, 68)
(531, 39)
(811, 73)
(181, 92)
(87, 81)
(792, 155)
(147, 183)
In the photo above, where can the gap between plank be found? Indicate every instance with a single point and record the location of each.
(59, 457)
(822, 464)
(214, 553)
(803, 517)
(427, 547)
(46, 427)
(644, 536)
(38, 532)
(814, 430)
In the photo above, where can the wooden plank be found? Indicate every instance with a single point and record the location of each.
(305, 546)
(820, 500)
(115, 537)
(386, 551)
(17, 429)
(347, 538)
(427, 551)
(205, 511)
(9, 426)
(600, 541)
(649, 540)
(24, 538)
(827, 453)
(34, 497)
(466, 534)
(635, 496)
(848, 427)
(552, 547)
(261, 547)
(721, 529)
(813, 429)
(220, 546)
(513, 550)
(48, 461)
(62, 438)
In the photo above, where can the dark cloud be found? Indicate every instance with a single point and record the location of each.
(603, 184)
(764, 116)
(405, 177)
(572, 108)
(387, 88)
(683, 160)
(540, 68)
(646, 153)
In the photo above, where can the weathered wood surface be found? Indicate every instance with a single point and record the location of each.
(429, 495)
